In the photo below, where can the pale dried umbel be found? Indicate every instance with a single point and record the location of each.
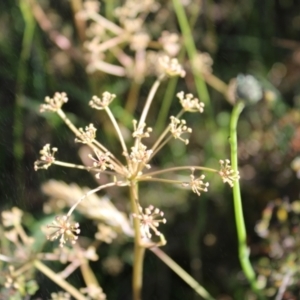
(197, 184)
(102, 103)
(227, 174)
(65, 229)
(87, 136)
(178, 127)
(149, 220)
(171, 66)
(190, 103)
(47, 158)
(55, 103)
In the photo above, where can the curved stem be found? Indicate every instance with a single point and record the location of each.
(139, 251)
(238, 208)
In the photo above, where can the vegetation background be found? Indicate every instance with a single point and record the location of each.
(248, 36)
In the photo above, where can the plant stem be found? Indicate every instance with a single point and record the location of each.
(238, 208)
(58, 280)
(139, 251)
(181, 273)
(191, 51)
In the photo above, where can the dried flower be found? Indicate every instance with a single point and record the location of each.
(87, 136)
(149, 220)
(178, 127)
(197, 184)
(171, 66)
(64, 229)
(102, 161)
(47, 158)
(100, 104)
(140, 154)
(227, 173)
(139, 132)
(55, 103)
(189, 103)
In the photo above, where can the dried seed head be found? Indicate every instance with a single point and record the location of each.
(55, 103)
(171, 66)
(197, 184)
(47, 158)
(178, 127)
(189, 103)
(140, 154)
(227, 173)
(87, 136)
(139, 132)
(149, 220)
(102, 103)
(64, 229)
(102, 161)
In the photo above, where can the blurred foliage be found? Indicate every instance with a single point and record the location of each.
(249, 36)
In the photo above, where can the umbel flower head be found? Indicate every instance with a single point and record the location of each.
(47, 158)
(55, 103)
(64, 229)
(227, 173)
(197, 184)
(150, 220)
(189, 103)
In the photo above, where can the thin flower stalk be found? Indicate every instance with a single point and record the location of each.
(150, 98)
(99, 188)
(58, 280)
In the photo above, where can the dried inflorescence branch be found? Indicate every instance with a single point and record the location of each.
(149, 220)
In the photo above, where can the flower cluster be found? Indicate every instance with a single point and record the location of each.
(87, 136)
(64, 229)
(102, 103)
(55, 103)
(149, 220)
(189, 103)
(171, 66)
(178, 127)
(47, 158)
(197, 184)
(227, 173)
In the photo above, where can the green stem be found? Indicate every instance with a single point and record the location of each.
(137, 278)
(181, 273)
(191, 51)
(238, 208)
